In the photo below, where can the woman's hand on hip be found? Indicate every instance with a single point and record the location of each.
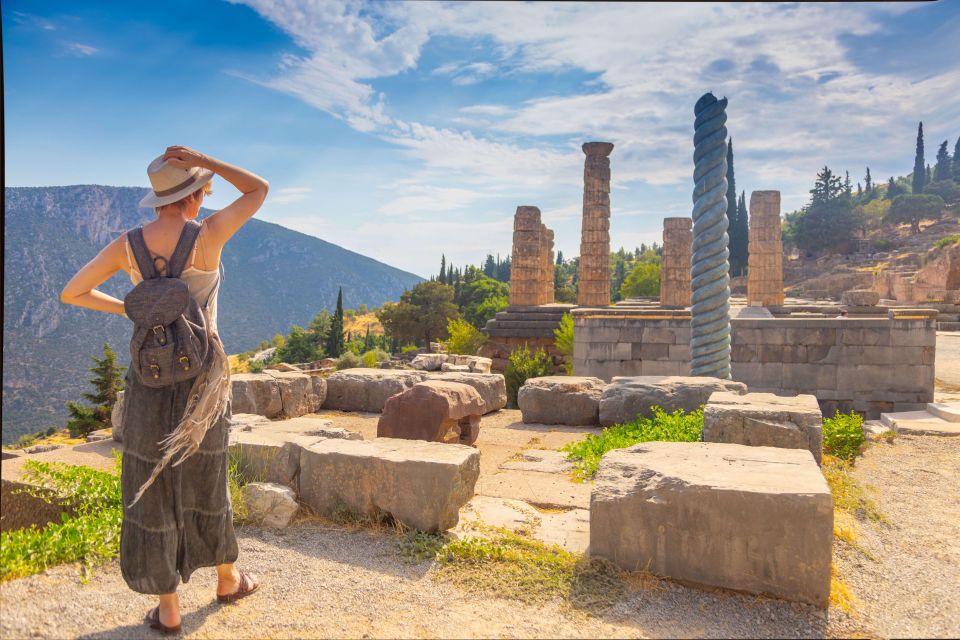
(185, 157)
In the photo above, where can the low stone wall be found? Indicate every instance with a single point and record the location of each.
(869, 365)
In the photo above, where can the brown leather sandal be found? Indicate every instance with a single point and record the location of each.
(153, 617)
(245, 588)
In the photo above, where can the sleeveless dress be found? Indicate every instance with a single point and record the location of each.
(184, 520)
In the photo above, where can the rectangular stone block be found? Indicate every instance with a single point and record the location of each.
(756, 519)
(764, 420)
(609, 351)
(421, 484)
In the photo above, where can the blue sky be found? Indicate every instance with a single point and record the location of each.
(403, 130)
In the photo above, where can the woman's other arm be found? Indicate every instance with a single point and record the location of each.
(224, 223)
(81, 290)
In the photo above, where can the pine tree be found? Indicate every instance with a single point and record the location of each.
(847, 187)
(956, 161)
(868, 181)
(826, 188)
(859, 190)
(489, 267)
(559, 257)
(942, 170)
(893, 189)
(107, 382)
(443, 269)
(335, 342)
(919, 174)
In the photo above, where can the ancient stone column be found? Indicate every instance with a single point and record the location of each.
(765, 261)
(526, 263)
(675, 262)
(594, 278)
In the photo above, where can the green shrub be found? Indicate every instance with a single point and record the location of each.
(946, 241)
(465, 339)
(89, 529)
(407, 348)
(669, 427)
(523, 365)
(372, 357)
(349, 360)
(843, 435)
(563, 338)
(255, 366)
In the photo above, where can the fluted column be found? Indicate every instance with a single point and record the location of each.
(765, 262)
(593, 289)
(710, 277)
(675, 262)
(526, 263)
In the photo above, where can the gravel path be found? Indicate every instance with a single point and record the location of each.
(908, 582)
(322, 582)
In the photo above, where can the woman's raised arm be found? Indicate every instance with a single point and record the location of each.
(82, 291)
(224, 223)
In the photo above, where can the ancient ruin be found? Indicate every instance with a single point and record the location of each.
(765, 273)
(594, 283)
(531, 271)
(710, 277)
(675, 262)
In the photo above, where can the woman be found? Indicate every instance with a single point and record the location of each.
(182, 520)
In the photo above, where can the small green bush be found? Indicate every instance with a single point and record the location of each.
(465, 339)
(349, 360)
(407, 348)
(522, 365)
(946, 241)
(678, 426)
(255, 366)
(563, 338)
(372, 357)
(843, 435)
(89, 529)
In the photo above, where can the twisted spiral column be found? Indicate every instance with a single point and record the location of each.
(710, 279)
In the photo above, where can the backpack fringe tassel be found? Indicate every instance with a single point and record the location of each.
(208, 401)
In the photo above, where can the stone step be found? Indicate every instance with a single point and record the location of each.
(948, 412)
(527, 324)
(919, 423)
(517, 316)
(948, 326)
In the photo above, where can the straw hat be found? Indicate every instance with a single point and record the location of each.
(172, 183)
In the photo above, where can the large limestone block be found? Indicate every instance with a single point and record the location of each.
(571, 400)
(860, 298)
(297, 395)
(319, 392)
(429, 361)
(367, 389)
(422, 484)
(269, 504)
(435, 411)
(757, 519)
(627, 397)
(491, 386)
(266, 456)
(765, 420)
(256, 393)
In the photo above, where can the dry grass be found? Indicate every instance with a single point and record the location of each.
(840, 595)
(358, 324)
(849, 495)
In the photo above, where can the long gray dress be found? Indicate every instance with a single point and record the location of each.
(184, 520)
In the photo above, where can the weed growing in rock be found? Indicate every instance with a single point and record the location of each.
(848, 495)
(843, 435)
(678, 426)
(89, 530)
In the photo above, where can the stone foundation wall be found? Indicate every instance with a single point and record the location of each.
(498, 349)
(868, 365)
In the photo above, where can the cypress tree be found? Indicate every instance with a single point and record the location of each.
(929, 177)
(868, 181)
(956, 161)
(335, 342)
(559, 257)
(942, 170)
(919, 174)
(847, 188)
(736, 242)
(443, 269)
(742, 220)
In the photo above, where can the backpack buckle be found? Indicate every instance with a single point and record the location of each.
(185, 362)
(160, 333)
(155, 368)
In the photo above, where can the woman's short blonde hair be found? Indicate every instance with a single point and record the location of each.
(181, 204)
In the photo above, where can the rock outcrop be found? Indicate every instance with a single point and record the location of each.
(627, 397)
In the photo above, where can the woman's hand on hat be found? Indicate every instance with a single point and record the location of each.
(184, 157)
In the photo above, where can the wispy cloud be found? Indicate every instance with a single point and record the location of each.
(21, 17)
(79, 49)
(289, 195)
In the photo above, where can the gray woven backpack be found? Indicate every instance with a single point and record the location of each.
(170, 342)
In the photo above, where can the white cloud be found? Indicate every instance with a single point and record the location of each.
(419, 199)
(486, 110)
(289, 195)
(79, 49)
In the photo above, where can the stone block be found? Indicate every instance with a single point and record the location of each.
(269, 457)
(625, 398)
(609, 351)
(421, 484)
(755, 519)
(428, 361)
(319, 392)
(491, 386)
(764, 420)
(367, 389)
(269, 504)
(570, 400)
(435, 411)
(296, 393)
(255, 393)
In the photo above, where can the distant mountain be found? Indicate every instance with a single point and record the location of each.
(273, 278)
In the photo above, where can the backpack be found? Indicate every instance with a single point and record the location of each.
(170, 341)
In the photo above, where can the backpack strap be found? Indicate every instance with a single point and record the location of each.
(188, 237)
(142, 255)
